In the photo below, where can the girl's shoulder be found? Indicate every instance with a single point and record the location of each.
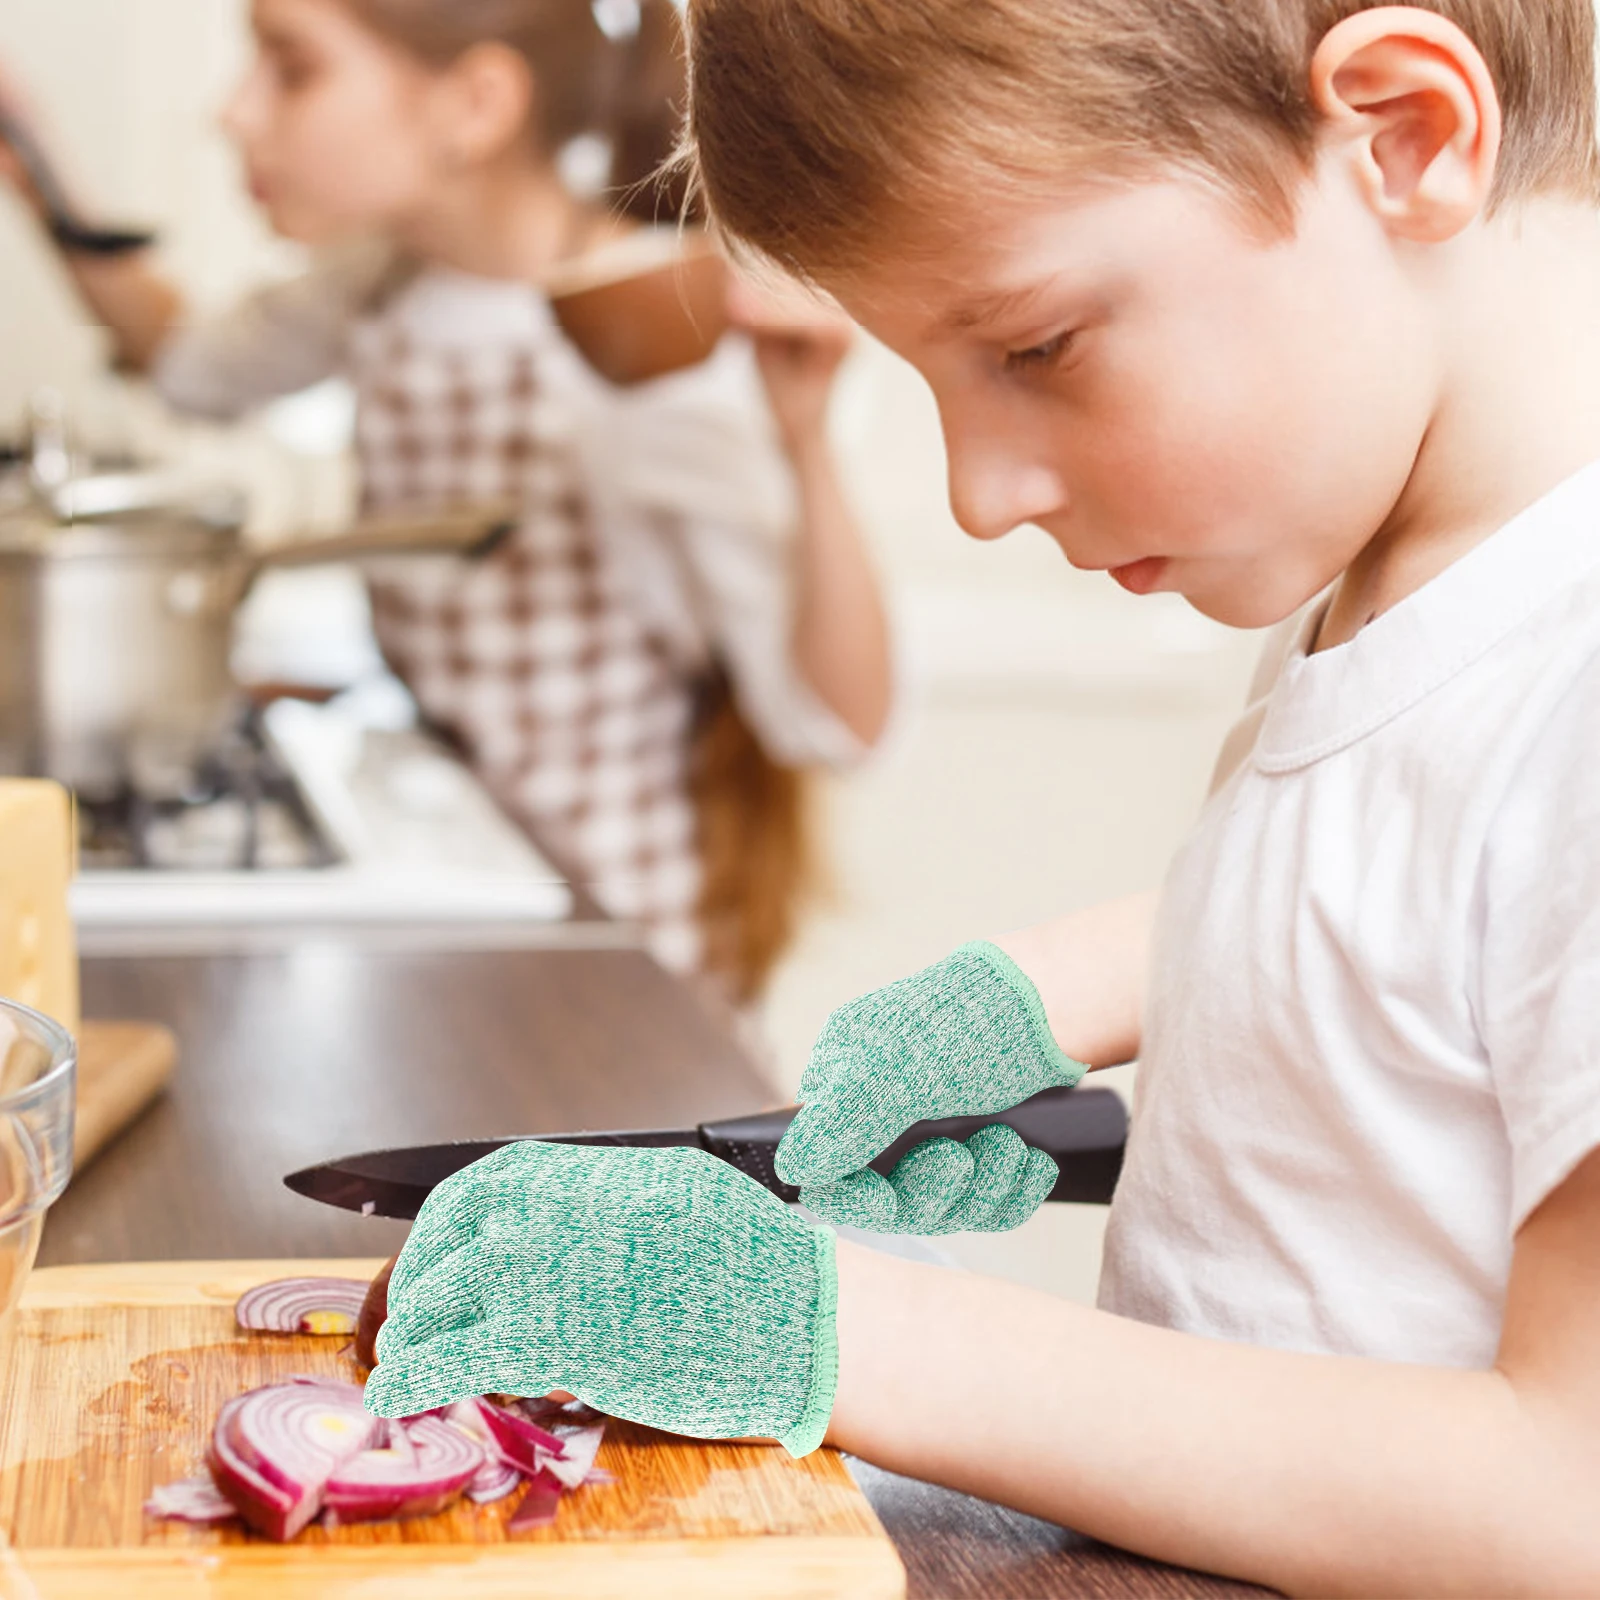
(441, 306)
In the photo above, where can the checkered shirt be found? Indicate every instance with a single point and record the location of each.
(531, 657)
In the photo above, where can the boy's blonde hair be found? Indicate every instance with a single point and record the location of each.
(816, 124)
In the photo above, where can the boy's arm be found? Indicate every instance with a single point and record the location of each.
(1089, 969)
(1309, 1473)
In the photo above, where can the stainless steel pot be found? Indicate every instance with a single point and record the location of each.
(114, 634)
(117, 596)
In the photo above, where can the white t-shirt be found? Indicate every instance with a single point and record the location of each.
(1372, 1037)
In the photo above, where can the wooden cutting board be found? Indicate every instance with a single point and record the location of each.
(110, 1377)
(122, 1066)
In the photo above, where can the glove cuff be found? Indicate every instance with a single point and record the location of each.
(808, 1432)
(1066, 1073)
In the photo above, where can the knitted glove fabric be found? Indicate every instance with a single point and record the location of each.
(661, 1286)
(964, 1037)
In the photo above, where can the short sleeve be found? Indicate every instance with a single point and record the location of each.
(1539, 985)
(279, 340)
(693, 495)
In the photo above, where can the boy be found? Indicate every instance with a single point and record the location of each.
(1289, 306)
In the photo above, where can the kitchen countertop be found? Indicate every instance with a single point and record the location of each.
(295, 1056)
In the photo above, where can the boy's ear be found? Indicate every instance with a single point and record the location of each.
(1409, 97)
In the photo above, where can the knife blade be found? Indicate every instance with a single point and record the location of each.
(1082, 1130)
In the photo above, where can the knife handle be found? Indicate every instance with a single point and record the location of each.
(1083, 1131)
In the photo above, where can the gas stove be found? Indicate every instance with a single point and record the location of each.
(237, 810)
(305, 821)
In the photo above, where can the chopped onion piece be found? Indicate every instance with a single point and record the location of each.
(291, 1451)
(494, 1480)
(538, 1507)
(422, 1469)
(580, 1445)
(524, 1444)
(191, 1500)
(302, 1305)
(274, 1449)
(550, 1413)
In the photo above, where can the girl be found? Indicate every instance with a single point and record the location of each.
(1288, 306)
(686, 570)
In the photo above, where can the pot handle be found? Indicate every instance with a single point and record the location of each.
(471, 531)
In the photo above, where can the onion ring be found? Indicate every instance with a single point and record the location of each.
(302, 1305)
(422, 1469)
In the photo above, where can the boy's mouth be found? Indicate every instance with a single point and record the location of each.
(1141, 577)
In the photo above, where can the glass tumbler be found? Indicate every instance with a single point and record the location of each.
(38, 1086)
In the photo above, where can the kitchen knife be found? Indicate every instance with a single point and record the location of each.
(1082, 1130)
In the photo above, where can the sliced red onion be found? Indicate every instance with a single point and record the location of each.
(549, 1413)
(524, 1444)
(392, 1435)
(421, 1469)
(302, 1305)
(466, 1415)
(538, 1506)
(274, 1449)
(599, 1475)
(493, 1481)
(580, 1445)
(191, 1500)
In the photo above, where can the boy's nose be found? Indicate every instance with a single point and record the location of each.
(993, 490)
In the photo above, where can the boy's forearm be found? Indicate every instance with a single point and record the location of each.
(1089, 969)
(841, 631)
(1311, 1474)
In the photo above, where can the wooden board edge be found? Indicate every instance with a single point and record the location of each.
(779, 1567)
(172, 1283)
(122, 1067)
(104, 1039)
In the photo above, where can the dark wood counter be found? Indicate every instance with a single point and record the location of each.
(293, 1057)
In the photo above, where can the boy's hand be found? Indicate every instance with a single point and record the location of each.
(661, 1286)
(962, 1038)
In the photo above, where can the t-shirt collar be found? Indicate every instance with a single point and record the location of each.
(1326, 702)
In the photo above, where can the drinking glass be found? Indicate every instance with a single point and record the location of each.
(38, 1083)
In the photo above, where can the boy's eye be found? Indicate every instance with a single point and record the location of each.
(1039, 357)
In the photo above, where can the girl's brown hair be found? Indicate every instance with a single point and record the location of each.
(608, 67)
(816, 124)
(754, 838)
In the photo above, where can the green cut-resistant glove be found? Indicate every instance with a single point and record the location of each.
(962, 1038)
(661, 1286)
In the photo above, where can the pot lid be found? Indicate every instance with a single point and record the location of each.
(151, 511)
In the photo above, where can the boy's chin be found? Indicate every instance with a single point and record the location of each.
(1247, 607)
